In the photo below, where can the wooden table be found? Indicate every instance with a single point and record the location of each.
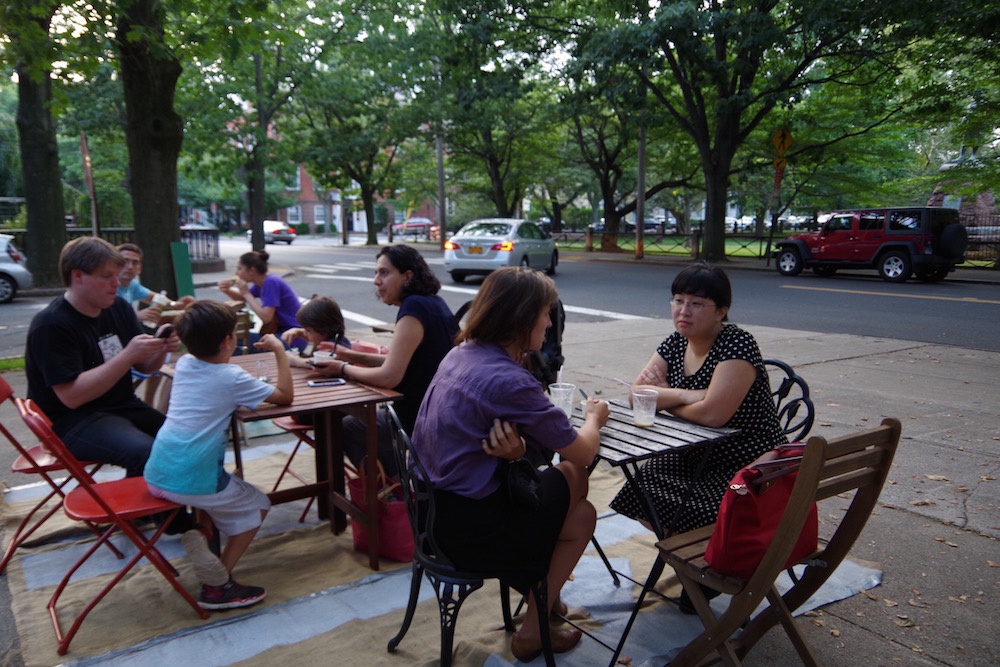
(627, 446)
(328, 405)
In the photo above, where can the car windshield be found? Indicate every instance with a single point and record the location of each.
(487, 229)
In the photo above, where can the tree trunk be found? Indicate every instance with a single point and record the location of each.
(42, 179)
(255, 197)
(154, 134)
(368, 200)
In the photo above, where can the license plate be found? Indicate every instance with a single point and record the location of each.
(475, 250)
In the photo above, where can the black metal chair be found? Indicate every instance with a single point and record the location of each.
(451, 585)
(791, 396)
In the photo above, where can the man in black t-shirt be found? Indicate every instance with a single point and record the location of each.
(79, 355)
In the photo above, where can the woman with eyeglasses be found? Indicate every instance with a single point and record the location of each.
(709, 372)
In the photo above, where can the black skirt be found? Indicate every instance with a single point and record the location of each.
(489, 535)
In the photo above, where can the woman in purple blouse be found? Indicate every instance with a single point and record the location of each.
(480, 406)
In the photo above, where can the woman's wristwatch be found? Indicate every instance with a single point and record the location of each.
(343, 370)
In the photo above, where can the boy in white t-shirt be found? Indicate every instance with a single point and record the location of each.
(186, 464)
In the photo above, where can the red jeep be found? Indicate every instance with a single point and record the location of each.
(897, 242)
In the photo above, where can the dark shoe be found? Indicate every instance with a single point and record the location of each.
(685, 604)
(182, 522)
(562, 639)
(230, 595)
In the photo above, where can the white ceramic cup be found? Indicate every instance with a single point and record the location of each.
(643, 406)
(562, 394)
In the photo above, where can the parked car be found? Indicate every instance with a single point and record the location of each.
(14, 274)
(274, 231)
(482, 246)
(897, 242)
(416, 227)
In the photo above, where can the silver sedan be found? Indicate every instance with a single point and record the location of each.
(482, 246)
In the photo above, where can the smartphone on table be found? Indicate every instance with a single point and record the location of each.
(329, 382)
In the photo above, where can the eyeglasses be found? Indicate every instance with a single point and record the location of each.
(696, 306)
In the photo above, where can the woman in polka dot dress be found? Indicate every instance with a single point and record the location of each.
(709, 372)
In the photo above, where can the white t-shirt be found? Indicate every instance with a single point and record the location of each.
(190, 448)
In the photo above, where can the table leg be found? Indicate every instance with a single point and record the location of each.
(371, 482)
(330, 467)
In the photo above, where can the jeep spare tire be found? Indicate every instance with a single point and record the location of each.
(954, 241)
(789, 262)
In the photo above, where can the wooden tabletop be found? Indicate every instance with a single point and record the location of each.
(308, 399)
(623, 443)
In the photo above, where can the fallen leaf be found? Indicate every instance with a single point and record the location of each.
(986, 478)
(624, 660)
(952, 544)
(818, 622)
(834, 633)
(961, 489)
(904, 623)
(868, 595)
(916, 603)
(937, 478)
(890, 603)
(922, 502)
(811, 614)
(992, 563)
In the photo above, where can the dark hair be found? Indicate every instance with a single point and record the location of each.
(507, 307)
(204, 325)
(129, 247)
(707, 281)
(255, 259)
(322, 314)
(405, 258)
(88, 254)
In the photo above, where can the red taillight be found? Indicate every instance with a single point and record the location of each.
(449, 245)
(14, 254)
(291, 230)
(503, 246)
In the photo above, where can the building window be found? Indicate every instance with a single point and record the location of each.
(319, 214)
(294, 215)
(296, 183)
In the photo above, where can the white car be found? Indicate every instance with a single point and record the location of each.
(483, 246)
(14, 274)
(274, 231)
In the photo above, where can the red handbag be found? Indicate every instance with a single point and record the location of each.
(395, 537)
(751, 510)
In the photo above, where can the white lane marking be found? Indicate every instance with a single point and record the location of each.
(580, 310)
(361, 319)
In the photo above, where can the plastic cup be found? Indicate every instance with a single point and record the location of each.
(562, 394)
(262, 371)
(643, 406)
(324, 355)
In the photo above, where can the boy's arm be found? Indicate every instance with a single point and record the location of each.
(284, 391)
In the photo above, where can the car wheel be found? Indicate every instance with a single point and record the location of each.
(824, 271)
(552, 264)
(894, 266)
(789, 262)
(458, 277)
(932, 275)
(524, 262)
(8, 288)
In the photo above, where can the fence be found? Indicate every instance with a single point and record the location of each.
(202, 242)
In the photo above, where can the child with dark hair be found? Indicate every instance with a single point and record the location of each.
(320, 321)
(185, 465)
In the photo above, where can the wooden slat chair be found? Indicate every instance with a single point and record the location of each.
(859, 462)
(117, 504)
(35, 460)
(451, 585)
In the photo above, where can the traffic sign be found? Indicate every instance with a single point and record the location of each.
(782, 140)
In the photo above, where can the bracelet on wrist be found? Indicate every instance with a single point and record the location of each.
(343, 370)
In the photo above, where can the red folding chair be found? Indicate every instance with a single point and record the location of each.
(303, 433)
(36, 461)
(118, 504)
